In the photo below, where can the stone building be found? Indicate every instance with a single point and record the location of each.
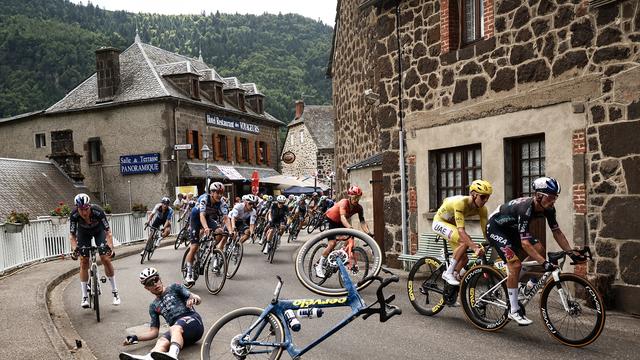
(310, 138)
(116, 131)
(505, 90)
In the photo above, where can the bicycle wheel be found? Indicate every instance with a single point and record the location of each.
(221, 341)
(273, 245)
(312, 225)
(95, 293)
(234, 258)
(484, 298)
(425, 286)
(151, 249)
(183, 268)
(358, 267)
(180, 238)
(333, 287)
(323, 225)
(215, 271)
(582, 322)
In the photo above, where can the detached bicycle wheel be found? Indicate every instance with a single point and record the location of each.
(307, 255)
(222, 339)
(484, 298)
(579, 323)
(425, 286)
(215, 271)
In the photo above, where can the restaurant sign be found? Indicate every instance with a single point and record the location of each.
(231, 124)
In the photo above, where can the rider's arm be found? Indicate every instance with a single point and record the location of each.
(558, 235)
(193, 300)
(343, 217)
(150, 334)
(459, 217)
(203, 221)
(531, 251)
(484, 216)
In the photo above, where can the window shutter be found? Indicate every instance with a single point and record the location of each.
(268, 155)
(190, 153)
(214, 147)
(229, 148)
(204, 141)
(257, 149)
(238, 150)
(252, 151)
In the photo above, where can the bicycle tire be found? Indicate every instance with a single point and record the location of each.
(424, 281)
(585, 298)
(233, 264)
(362, 254)
(183, 268)
(151, 250)
(220, 273)
(482, 278)
(323, 226)
(311, 226)
(96, 294)
(180, 238)
(273, 246)
(218, 339)
(361, 239)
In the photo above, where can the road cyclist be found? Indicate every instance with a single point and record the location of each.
(338, 217)
(176, 305)
(86, 222)
(277, 219)
(162, 214)
(449, 223)
(209, 214)
(243, 217)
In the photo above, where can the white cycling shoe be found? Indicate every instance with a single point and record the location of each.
(266, 249)
(158, 355)
(126, 356)
(85, 303)
(320, 270)
(116, 298)
(519, 317)
(189, 279)
(450, 278)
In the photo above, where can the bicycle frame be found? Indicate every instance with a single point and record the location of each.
(278, 307)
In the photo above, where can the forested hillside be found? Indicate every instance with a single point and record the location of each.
(47, 48)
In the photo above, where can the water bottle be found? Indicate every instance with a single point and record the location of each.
(310, 313)
(292, 320)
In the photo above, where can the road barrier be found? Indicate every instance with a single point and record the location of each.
(41, 240)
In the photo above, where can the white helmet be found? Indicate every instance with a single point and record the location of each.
(82, 200)
(148, 273)
(250, 198)
(216, 186)
(281, 199)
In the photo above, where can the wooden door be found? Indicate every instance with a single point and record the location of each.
(378, 209)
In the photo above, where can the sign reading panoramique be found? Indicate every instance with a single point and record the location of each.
(231, 124)
(140, 164)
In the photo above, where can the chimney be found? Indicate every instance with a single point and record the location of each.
(63, 154)
(299, 108)
(108, 71)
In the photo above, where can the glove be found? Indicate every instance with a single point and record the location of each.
(130, 340)
(74, 254)
(548, 266)
(577, 258)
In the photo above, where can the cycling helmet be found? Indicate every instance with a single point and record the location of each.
(250, 198)
(322, 198)
(216, 186)
(354, 191)
(482, 187)
(82, 200)
(165, 200)
(546, 185)
(265, 197)
(314, 194)
(281, 199)
(270, 198)
(292, 197)
(148, 273)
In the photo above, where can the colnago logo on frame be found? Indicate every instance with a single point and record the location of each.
(303, 303)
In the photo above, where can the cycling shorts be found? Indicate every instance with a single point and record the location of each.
(84, 240)
(506, 243)
(241, 226)
(333, 225)
(196, 226)
(157, 223)
(192, 329)
(447, 231)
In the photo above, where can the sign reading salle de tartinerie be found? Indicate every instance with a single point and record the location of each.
(231, 124)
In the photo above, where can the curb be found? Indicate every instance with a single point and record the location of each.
(43, 293)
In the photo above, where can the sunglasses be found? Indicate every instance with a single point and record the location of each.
(84, 207)
(484, 197)
(551, 197)
(152, 282)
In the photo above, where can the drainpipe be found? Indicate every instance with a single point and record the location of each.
(403, 176)
(175, 136)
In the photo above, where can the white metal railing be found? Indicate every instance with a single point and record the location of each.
(41, 240)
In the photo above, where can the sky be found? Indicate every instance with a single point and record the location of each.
(324, 10)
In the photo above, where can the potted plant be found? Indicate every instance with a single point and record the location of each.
(139, 210)
(60, 214)
(107, 210)
(15, 222)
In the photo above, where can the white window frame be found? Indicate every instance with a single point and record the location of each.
(40, 144)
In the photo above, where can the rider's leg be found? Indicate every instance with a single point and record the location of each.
(452, 236)
(84, 274)
(245, 236)
(514, 266)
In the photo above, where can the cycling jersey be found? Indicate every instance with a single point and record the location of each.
(97, 221)
(240, 212)
(213, 210)
(278, 214)
(172, 305)
(333, 213)
(160, 216)
(514, 216)
(455, 209)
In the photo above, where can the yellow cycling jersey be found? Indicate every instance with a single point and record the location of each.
(454, 209)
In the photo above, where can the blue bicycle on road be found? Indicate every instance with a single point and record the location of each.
(266, 333)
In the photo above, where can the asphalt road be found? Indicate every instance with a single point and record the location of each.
(409, 336)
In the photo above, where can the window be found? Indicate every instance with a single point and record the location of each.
(193, 138)
(221, 149)
(244, 144)
(195, 88)
(454, 170)
(301, 136)
(472, 20)
(262, 152)
(95, 155)
(525, 159)
(260, 106)
(241, 102)
(219, 95)
(41, 141)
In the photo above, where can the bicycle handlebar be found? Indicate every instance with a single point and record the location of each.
(386, 310)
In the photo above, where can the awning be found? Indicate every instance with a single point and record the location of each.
(263, 172)
(225, 172)
(285, 180)
(230, 172)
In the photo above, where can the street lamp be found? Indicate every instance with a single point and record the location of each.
(205, 154)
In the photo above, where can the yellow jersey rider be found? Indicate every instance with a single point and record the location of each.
(449, 223)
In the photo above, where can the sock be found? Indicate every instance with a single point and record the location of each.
(189, 270)
(83, 285)
(112, 281)
(323, 259)
(513, 299)
(452, 265)
(174, 350)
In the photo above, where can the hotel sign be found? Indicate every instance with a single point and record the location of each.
(231, 124)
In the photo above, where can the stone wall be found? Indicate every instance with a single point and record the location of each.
(306, 152)
(325, 165)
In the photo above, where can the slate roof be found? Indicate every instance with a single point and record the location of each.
(231, 83)
(374, 160)
(34, 187)
(142, 70)
(319, 120)
(251, 89)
